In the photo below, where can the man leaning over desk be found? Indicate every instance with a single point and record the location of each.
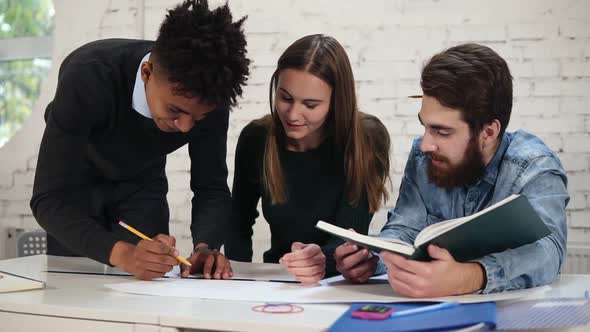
(120, 107)
(464, 162)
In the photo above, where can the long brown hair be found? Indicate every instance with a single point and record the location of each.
(366, 169)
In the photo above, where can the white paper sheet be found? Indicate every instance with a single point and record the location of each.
(249, 271)
(242, 270)
(333, 290)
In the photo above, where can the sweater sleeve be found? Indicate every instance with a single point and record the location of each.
(245, 193)
(211, 203)
(60, 201)
(348, 216)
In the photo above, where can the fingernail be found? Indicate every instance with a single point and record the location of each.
(176, 253)
(217, 275)
(354, 246)
(207, 276)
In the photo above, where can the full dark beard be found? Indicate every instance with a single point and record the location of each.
(467, 173)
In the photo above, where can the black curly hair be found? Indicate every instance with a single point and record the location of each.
(203, 52)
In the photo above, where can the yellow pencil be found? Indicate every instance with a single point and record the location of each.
(143, 236)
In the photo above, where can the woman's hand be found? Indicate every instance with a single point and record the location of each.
(306, 261)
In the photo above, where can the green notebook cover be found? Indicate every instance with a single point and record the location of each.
(508, 226)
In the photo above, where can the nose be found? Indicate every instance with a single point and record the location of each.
(427, 144)
(184, 123)
(294, 112)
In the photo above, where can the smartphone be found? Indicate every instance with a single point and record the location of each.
(373, 312)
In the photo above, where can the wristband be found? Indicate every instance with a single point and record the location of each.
(200, 249)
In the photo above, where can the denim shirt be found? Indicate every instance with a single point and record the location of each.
(523, 164)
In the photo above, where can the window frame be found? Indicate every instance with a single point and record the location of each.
(26, 48)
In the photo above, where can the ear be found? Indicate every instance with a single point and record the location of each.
(146, 71)
(489, 133)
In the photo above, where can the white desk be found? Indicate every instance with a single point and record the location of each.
(80, 302)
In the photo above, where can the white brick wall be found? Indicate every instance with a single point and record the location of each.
(547, 45)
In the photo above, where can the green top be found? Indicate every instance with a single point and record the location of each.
(314, 183)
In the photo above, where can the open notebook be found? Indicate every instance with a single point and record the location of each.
(13, 283)
(510, 223)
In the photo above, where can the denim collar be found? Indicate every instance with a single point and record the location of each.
(491, 173)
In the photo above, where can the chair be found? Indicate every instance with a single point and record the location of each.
(31, 243)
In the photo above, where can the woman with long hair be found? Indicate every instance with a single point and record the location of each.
(315, 157)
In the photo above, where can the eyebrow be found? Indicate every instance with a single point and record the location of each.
(179, 109)
(435, 126)
(308, 100)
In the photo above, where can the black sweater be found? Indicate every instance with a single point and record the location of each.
(314, 183)
(93, 133)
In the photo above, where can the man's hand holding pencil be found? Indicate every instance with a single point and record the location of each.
(150, 258)
(153, 258)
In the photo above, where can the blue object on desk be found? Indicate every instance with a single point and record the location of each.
(425, 309)
(463, 315)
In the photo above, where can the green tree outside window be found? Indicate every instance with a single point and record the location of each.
(21, 79)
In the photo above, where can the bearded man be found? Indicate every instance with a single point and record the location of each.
(465, 162)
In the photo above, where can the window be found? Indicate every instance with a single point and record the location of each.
(26, 27)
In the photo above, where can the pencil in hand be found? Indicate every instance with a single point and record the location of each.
(143, 236)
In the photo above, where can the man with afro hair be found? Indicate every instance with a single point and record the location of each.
(121, 106)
